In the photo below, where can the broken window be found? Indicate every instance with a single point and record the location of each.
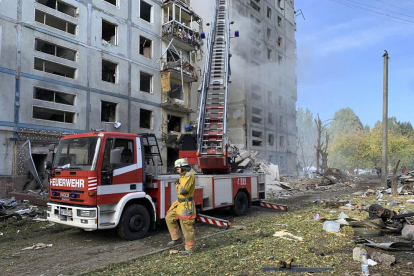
(255, 5)
(54, 50)
(279, 60)
(282, 161)
(270, 96)
(55, 22)
(113, 2)
(279, 21)
(54, 68)
(281, 122)
(256, 111)
(174, 123)
(145, 82)
(59, 6)
(145, 11)
(270, 159)
(256, 97)
(257, 134)
(269, 54)
(108, 111)
(282, 141)
(172, 56)
(279, 41)
(109, 71)
(256, 138)
(109, 33)
(145, 118)
(256, 120)
(176, 91)
(269, 33)
(53, 115)
(53, 96)
(269, 12)
(270, 118)
(145, 47)
(271, 139)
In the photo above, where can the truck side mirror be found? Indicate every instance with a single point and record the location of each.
(115, 158)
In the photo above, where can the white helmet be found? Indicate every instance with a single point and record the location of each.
(181, 163)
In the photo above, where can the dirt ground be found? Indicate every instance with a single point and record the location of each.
(75, 252)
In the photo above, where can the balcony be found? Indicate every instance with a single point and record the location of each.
(175, 67)
(182, 24)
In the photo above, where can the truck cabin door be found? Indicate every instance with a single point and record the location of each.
(123, 172)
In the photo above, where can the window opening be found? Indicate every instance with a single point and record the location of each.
(256, 120)
(54, 50)
(254, 5)
(269, 12)
(108, 111)
(59, 6)
(53, 115)
(270, 118)
(281, 123)
(256, 97)
(279, 60)
(279, 41)
(145, 46)
(145, 11)
(109, 33)
(279, 21)
(174, 123)
(269, 54)
(270, 159)
(271, 140)
(113, 2)
(282, 161)
(53, 96)
(269, 33)
(176, 91)
(282, 141)
(54, 68)
(55, 22)
(145, 118)
(257, 111)
(145, 82)
(109, 71)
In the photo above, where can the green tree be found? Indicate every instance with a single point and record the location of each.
(307, 134)
(344, 121)
(350, 151)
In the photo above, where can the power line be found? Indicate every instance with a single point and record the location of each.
(395, 6)
(358, 8)
(357, 3)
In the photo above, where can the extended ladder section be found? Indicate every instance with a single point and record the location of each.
(212, 128)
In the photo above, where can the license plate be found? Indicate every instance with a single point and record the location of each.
(64, 194)
(65, 212)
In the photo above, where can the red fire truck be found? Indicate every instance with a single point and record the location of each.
(105, 180)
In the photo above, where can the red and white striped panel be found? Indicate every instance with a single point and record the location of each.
(92, 183)
(274, 206)
(213, 221)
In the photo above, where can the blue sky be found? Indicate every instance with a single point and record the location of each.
(340, 60)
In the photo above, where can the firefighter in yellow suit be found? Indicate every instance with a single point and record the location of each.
(183, 208)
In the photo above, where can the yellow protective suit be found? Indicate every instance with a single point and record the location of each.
(183, 209)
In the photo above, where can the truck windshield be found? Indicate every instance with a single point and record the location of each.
(77, 154)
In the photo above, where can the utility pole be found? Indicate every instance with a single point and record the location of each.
(384, 173)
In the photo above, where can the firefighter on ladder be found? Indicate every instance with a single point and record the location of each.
(183, 209)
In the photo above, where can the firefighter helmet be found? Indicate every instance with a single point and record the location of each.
(188, 128)
(181, 163)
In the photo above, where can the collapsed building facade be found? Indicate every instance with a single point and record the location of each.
(69, 66)
(262, 99)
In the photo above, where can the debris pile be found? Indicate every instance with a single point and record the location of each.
(11, 208)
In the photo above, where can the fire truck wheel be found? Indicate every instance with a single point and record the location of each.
(135, 222)
(240, 204)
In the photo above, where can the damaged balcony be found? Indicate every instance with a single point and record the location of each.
(182, 25)
(174, 94)
(178, 67)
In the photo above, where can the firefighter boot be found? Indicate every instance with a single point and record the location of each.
(176, 242)
(187, 252)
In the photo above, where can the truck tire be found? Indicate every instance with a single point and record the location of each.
(241, 204)
(134, 223)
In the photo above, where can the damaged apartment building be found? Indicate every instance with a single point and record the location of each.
(262, 98)
(69, 66)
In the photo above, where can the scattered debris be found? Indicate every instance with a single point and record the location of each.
(38, 246)
(174, 251)
(382, 258)
(298, 269)
(283, 234)
(390, 246)
(316, 251)
(357, 253)
(331, 226)
(407, 232)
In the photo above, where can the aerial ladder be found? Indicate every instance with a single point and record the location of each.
(212, 142)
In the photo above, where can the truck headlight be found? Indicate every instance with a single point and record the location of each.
(86, 213)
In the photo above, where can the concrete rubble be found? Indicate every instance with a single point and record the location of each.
(10, 208)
